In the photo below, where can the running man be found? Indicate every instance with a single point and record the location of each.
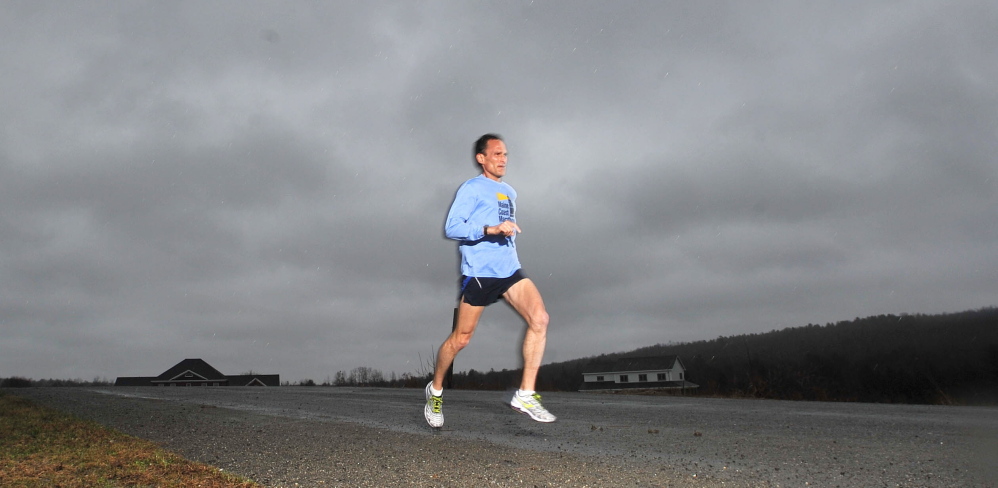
(483, 219)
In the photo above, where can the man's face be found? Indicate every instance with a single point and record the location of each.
(494, 160)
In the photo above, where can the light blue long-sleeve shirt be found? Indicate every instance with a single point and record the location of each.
(481, 201)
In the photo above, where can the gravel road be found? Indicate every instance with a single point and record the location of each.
(315, 436)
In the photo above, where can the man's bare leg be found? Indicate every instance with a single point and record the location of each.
(467, 321)
(527, 301)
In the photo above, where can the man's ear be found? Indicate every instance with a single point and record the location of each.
(480, 158)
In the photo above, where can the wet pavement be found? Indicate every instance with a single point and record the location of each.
(828, 444)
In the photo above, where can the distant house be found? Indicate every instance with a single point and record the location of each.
(664, 372)
(196, 372)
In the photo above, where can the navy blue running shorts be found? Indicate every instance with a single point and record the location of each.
(481, 292)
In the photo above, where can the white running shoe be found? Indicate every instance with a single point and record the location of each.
(531, 406)
(433, 411)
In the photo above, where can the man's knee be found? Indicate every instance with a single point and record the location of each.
(459, 340)
(538, 321)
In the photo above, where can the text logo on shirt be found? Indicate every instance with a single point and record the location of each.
(506, 211)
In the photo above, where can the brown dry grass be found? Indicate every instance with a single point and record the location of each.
(43, 447)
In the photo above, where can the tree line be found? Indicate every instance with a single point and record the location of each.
(369, 377)
(927, 359)
(21, 382)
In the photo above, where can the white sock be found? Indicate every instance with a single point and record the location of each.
(525, 394)
(436, 392)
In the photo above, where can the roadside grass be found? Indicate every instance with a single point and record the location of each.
(43, 447)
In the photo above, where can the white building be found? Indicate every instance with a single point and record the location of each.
(663, 372)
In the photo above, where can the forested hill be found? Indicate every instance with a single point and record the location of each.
(939, 359)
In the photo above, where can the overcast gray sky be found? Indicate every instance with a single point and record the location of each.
(264, 184)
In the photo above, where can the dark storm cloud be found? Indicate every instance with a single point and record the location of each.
(265, 185)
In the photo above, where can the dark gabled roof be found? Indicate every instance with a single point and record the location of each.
(658, 363)
(197, 366)
(198, 372)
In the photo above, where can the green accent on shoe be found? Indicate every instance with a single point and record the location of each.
(433, 410)
(532, 407)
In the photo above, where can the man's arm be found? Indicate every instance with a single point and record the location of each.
(459, 225)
